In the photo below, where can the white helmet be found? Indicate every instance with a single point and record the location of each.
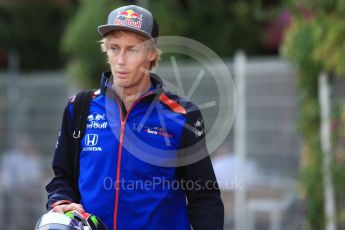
(72, 220)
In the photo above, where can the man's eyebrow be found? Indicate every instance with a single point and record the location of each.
(113, 43)
(127, 46)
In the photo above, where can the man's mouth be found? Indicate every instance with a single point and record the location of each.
(121, 74)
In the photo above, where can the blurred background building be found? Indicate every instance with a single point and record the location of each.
(272, 165)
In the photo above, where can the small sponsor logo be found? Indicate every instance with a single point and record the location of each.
(130, 14)
(150, 131)
(128, 22)
(94, 149)
(91, 140)
(95, 125)
(198, 128)
(96, 117)
(157, 131)
(198, 123)
(57, 142)
(199, 133)
(96, 121)
(129, 18)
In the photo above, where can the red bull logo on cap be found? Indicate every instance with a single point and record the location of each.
(129, 18)
(130, 14)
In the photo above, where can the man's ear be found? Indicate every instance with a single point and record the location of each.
(152, 55)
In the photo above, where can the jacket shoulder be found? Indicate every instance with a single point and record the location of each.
(177, 104)
(71, 101)
(96, 93)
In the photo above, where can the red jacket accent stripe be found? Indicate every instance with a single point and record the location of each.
(173, 105)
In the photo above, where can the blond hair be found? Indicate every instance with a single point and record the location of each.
(147, 43)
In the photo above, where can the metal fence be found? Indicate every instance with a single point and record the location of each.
(337, 137)
(266, 146)
(31, 108)
(269, 196)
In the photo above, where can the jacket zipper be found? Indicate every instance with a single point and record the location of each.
(122, 131)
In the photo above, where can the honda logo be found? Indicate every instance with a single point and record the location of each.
(91, 139)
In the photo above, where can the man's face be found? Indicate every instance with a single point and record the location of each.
(129, 59)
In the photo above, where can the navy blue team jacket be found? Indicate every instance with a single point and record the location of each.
(130, 163)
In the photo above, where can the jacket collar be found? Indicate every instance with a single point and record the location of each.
(156, 81)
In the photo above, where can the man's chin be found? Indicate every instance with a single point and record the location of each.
(124, 85)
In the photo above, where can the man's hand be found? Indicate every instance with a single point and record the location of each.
(63, 208)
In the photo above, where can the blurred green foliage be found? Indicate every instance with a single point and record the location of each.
(221, 25)
(314, 42)
(48, 35)
(80, 43)
(338, 138)
(224, 26)
(34, 32)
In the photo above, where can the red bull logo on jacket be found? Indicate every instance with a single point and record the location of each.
(129, 18)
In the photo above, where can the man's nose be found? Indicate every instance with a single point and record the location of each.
(121, 58)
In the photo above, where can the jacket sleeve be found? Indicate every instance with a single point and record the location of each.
(205, 207)
(61, 188)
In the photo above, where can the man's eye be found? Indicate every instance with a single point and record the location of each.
(113, 48)
(134, 50)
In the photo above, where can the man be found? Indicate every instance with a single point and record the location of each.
(137, 138)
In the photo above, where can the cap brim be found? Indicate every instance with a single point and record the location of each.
(105, 29)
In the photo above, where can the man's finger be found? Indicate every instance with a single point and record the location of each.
(71, 207)
(58, 209)
(68, 207)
